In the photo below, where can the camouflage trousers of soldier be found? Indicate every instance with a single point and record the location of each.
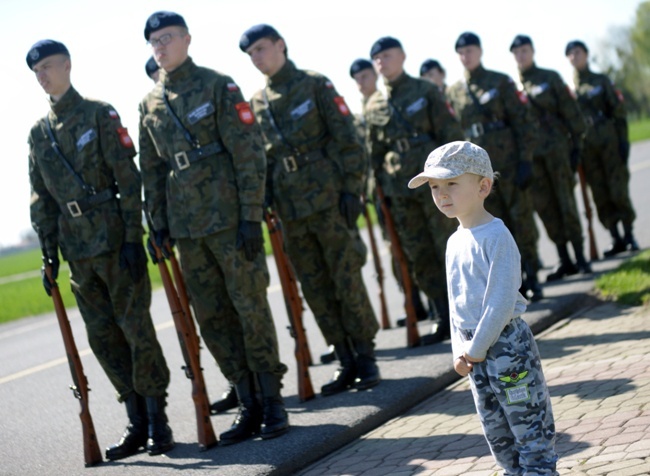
(328, 257)
(608, 177)
(423, 232)
(514, 405)
(553, 195)
(120, 331)
(228, 295)
(515, 207)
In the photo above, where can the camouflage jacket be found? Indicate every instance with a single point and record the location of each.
(195, 198)
(99, 149)
(600, 103)
(502, 108)
(403, 128)
(554, 107)
(317, 154)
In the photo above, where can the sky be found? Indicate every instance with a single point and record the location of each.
(108, 50)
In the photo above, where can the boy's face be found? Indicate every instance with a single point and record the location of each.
(461, 197)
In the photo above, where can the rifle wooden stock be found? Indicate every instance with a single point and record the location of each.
(593, 249)
(92, 454)
(385, 322)
(189, 342)
(412, 334)
(294, 306)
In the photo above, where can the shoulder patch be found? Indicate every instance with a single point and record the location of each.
(329, 85)
(232, 87)
(124, 138)
(244, 112)
(340, 103)
(113, 114)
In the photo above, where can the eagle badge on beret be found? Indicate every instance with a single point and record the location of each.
(34, 54)
(154, 21)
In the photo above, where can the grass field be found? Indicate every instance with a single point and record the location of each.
(639, 130)
(629, 283)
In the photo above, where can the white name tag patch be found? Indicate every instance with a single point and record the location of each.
(303, 109)
(86, 137)
(200, 112)
(517, 394)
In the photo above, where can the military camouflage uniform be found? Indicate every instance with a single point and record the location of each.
(513, 402)
(561, 131)
(402, 129)
(318, 158)
(115, 309)
(506, 130)
(200, 196)
(605, 171)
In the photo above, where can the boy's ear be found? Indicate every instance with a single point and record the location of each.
(485, 187)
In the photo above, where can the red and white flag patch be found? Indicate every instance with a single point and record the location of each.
(340, 103)
(113, 114)
(232, 87)
(244, 112)
(450, 108)
(523, 97)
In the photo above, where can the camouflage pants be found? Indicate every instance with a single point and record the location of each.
(328, 258)
(423, 232)
(515, 207)
(553, 196)
(514, 405)
(608, 177)
(119, 326)
(228, 294)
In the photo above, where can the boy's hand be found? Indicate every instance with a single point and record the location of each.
(462, 366)
(471, 359)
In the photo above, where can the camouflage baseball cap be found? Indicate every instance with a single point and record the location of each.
(44, 48)
(452, 160)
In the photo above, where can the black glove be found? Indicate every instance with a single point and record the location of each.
(54, 265)
(624, 150)
(249, 237)
(574, 159)
(134, 258)
(162, 240)
(350, 208)
(151, 250)
(524, 174)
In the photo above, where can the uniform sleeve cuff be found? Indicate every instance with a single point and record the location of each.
(250, 213)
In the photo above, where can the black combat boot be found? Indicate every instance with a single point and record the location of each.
(630, 242)
(160, 439)
(441, 330)
(536, 293)
(275, 421)
(420, 311)
(566, 266)
(367, 371)
(228, 401)
(249, 417)
(618, 245)
(344, 376)
(328, 356)
(584, 267)
(136, 433)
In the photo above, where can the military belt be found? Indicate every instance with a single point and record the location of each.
(480, 128)
(293, 163)
(76, 208)
(407, 143)
(183, 159)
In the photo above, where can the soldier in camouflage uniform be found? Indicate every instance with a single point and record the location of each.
(556, 156)
(494, 116)
(203, 169)
(316, 169)
(490, 341)
(432, 70)
(402, 128)
(81, 158)
(364, 74)
(606, 148)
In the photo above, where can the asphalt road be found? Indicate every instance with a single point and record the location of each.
(40, 433)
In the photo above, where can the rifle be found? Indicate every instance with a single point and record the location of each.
(294, 306)
(412, 334)
(189, 342)
(593, 249)
(92, 454)
(385, 322)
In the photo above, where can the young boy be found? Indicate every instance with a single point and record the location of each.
(490, 341)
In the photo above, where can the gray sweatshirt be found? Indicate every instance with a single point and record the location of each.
(483, 279)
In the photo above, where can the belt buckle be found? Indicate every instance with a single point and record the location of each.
(477, 129)
(290, 164)
(182, 162)
(402, 145)
(74, 209)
